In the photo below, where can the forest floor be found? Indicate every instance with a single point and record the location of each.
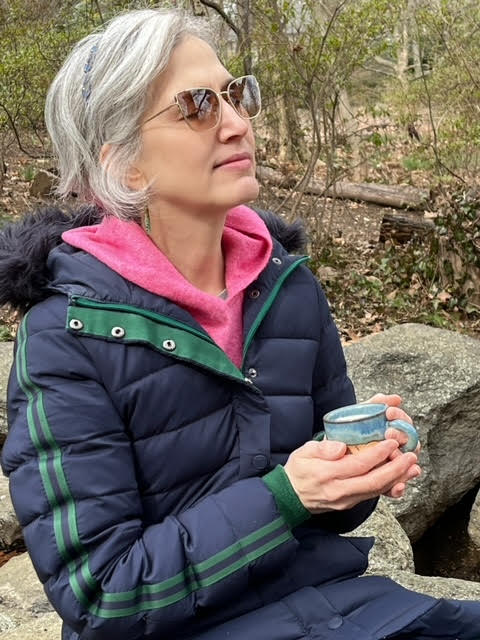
(371, 285)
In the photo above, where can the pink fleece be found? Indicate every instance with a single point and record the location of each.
(127, 249)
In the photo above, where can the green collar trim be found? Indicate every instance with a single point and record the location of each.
(130, 324)
(269, 301)
(127, 324)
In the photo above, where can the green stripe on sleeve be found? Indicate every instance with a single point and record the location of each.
(65, 514)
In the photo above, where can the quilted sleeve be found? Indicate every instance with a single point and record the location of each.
(73, 485)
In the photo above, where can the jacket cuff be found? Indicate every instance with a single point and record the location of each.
(288, 502)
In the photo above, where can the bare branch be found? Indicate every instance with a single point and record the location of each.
(385, 62)
(16, 134)
(216, 7)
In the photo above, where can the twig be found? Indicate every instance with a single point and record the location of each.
(221, 12)
(15, 132)
(439, 161)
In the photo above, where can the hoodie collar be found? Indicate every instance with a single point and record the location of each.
(127, 250)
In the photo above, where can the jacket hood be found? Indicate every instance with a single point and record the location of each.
(25, 245)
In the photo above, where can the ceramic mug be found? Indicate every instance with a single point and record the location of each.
(363, 425)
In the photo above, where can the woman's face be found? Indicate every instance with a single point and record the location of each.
(190, 169)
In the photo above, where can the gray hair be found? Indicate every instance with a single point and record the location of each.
(99, 96)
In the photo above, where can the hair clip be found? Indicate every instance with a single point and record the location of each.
(86, 86)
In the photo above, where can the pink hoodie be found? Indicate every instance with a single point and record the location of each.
(127, 249)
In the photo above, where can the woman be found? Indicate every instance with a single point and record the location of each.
(166, 390)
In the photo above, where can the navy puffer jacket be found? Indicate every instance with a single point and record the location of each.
(145, 467)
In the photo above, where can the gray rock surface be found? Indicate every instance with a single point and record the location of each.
(392, 556)
(24, 610)
(437, 373)
(6, 358)
(436, 587)
(392, 547)
(10, 531)
(474, 523)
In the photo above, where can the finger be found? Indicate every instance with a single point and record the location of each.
(360, 464)
(397, 491)
(331, 450)
(383, 478)
(395, 413)
(393, 400)
(414, 471)
(399, 488)
(326, 449)
(397, 435)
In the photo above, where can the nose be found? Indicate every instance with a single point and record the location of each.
(231, 124)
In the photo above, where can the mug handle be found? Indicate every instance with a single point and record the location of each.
(409, 431)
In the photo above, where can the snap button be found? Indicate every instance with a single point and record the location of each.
(254, 293)
(252, 372)
(276, 261)
(335, 622)
(75, 324)
(260, 461)
(169, 345)
(118, 332)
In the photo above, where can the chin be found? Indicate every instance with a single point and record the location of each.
(247, 192)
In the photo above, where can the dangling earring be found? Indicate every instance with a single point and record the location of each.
(146, 221)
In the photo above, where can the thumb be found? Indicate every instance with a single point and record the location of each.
(326, 449)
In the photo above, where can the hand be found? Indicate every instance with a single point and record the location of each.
(394, 412)
(326, 479)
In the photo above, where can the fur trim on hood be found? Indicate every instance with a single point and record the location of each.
(25, 245)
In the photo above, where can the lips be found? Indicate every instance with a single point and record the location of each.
(237, 159)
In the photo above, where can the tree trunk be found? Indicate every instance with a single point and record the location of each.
(413, 33)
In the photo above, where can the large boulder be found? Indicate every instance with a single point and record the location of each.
(6, 358)
(25, 613)
(437, 372)
(474, 523)
(10, 531)
(392, 556)
(392, 548)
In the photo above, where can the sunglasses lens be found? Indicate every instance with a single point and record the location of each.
(200, 107)
(244, 95)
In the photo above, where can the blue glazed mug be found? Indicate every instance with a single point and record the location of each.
(362, 425)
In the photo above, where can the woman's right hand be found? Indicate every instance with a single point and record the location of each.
(326, 479)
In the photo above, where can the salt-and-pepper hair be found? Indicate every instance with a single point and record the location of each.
(100, 95)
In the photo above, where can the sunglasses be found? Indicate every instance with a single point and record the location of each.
(201, 107)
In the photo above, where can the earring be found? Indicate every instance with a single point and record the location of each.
(146, 221)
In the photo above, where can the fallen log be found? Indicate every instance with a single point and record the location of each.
(397, 196)
(401, 227)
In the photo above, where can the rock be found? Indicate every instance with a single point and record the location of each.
(392, 556)
(437, 587)
(10, 531)
(25, 612)
(437, 372)
(326, 273)
(474, 523)
(6, 358)
(392, 547)
(42, 184)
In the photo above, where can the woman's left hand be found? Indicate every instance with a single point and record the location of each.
(394, 412)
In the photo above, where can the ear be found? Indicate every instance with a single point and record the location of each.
(134, 178)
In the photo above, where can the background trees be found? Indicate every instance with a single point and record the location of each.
(377, 91)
